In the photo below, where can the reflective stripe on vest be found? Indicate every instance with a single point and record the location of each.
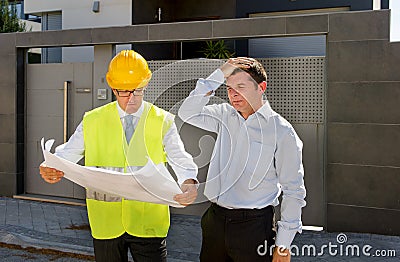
(105, 145)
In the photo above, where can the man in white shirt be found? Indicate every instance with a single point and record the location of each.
(121, 136)
(257, 155)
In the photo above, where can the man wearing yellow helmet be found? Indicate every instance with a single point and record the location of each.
(121, 136)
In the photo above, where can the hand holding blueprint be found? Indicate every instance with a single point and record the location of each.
(151, 183)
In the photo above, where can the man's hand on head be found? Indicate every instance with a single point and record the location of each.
(233, 63)
(228, 67)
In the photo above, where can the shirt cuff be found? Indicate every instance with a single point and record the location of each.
(217, 76)
(284, 237)
(181, 180)
(70, 156)
(211, 83)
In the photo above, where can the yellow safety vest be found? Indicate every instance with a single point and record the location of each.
(106, 146)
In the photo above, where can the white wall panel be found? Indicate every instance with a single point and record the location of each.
(79, 14)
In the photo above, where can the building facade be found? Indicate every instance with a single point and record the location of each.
(359, 174)
(64, 15)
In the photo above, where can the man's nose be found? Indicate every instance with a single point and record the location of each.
(235, 92)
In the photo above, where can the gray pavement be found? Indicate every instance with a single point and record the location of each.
(40, 231)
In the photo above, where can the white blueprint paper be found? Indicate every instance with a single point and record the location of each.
(151, 183)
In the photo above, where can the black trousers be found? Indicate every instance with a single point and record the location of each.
(142, 249)
(237, 234)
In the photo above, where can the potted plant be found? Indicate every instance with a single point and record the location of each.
(216, 50)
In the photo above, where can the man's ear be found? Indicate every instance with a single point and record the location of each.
(263, 85)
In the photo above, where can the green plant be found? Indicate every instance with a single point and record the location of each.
(9, 21)
(216, 50)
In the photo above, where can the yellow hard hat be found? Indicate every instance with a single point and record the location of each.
(128, 70)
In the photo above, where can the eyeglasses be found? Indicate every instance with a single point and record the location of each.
(127, 93)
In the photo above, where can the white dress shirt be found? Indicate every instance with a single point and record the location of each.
(253, 160)
(181, 162)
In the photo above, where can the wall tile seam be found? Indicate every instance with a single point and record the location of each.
(176, 23)
(360, 123)
(363, 82)
(158, 27)
(362, 165)
(213, 37)
(329, 27)
(344, 204)
(286, 26)
(151, 41)
(358, 40)
(212, 28)
(238, 37)
(148, 40)
(345, 13)
(368, 207)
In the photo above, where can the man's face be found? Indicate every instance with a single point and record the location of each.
(244, 94)
(129, 102)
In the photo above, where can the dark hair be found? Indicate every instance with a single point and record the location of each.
(256, 71)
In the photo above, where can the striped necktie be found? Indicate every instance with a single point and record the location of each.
(128, 127)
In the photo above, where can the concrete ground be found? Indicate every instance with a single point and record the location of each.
(41, 231)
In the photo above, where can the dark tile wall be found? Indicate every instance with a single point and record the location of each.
(364, 187)
(184, 31)
(364, 102)
(307, 24)
(359, 26)
(363, 129)
(249, 27)
(344, 218)
(7, 183)
(364, 144)
(8, 119)
(361, 61)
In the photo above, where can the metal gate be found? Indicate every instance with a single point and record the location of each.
(57, 97)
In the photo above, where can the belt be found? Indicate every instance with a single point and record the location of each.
(241, 213)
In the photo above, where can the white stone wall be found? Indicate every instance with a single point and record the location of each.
(78, 14)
